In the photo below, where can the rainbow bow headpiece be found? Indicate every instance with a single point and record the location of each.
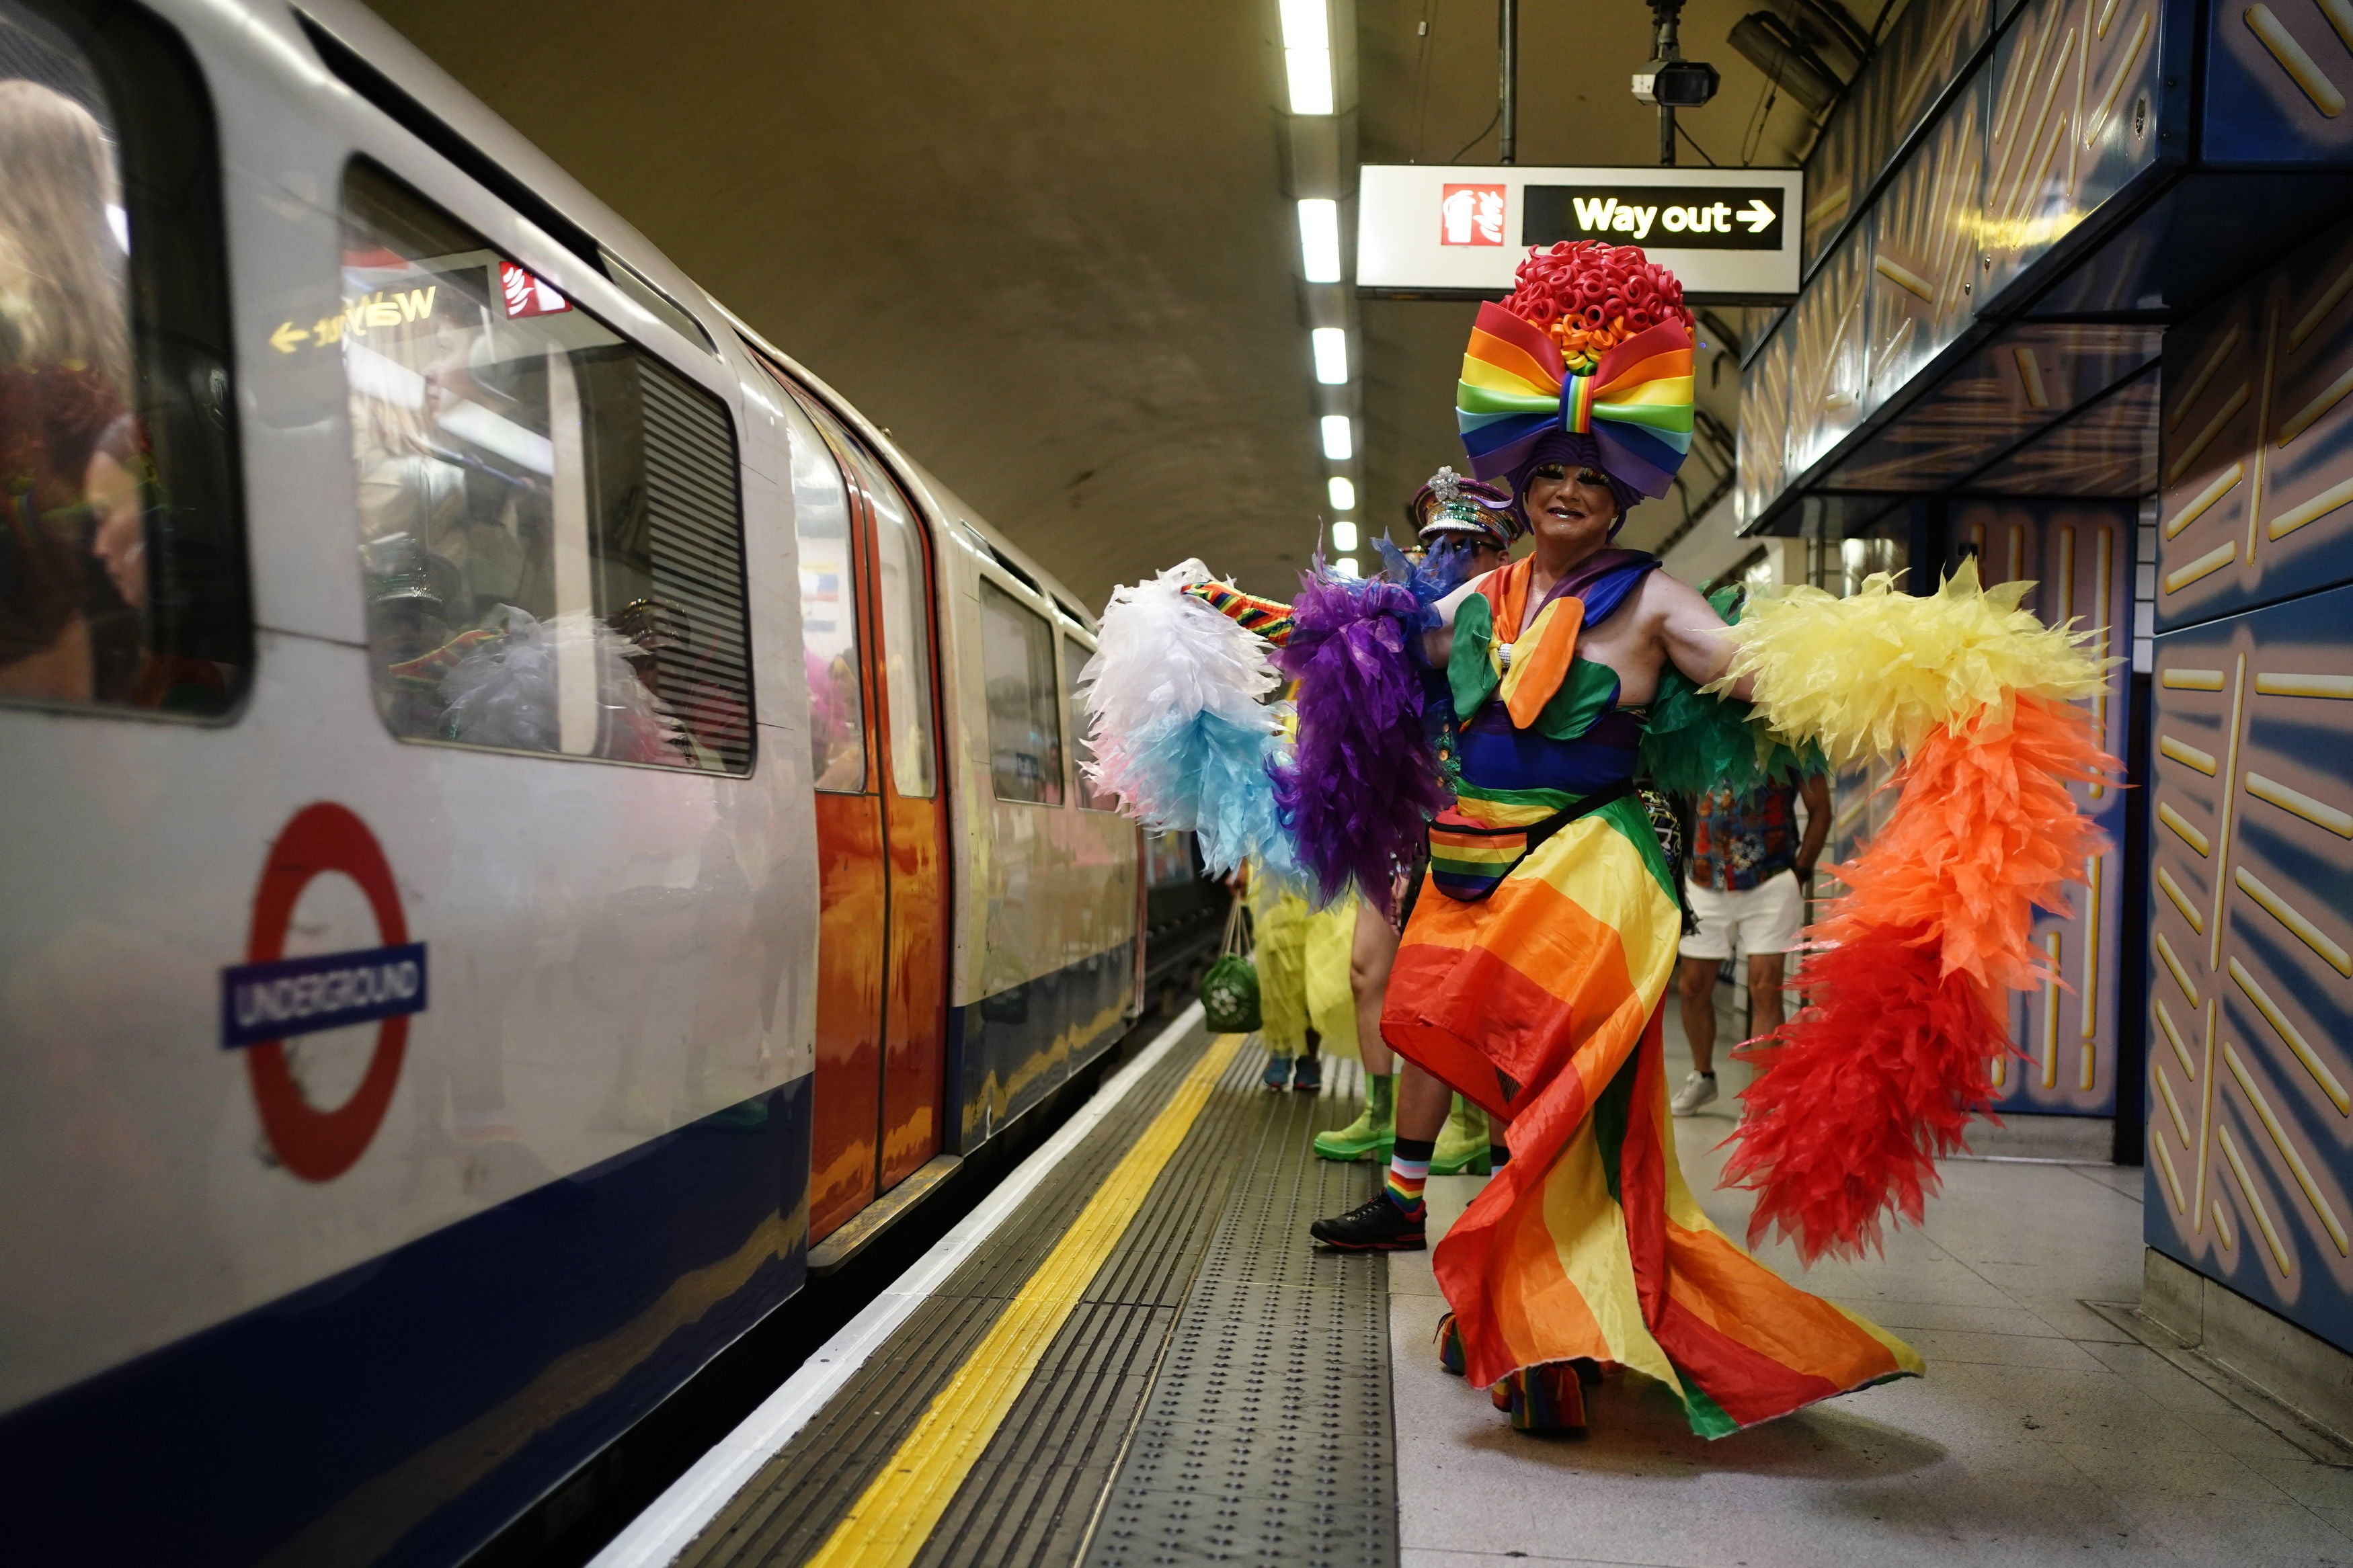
(1636, 404)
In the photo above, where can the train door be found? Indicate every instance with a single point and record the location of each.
(866, 600)
(915, 827)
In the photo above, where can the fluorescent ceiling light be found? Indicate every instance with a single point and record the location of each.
(1331, 344)
(1311, 81)
(1305, 25)
(1344, 535)
(1307, 55)
(1346, 566)
(1343, 493)
(1338, 445)
(1319, 240)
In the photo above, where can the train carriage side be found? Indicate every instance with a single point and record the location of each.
(1047, 970)
(1043, 912)
(431, 1022)
(406, 1000)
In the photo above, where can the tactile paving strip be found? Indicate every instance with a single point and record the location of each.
(1267, 1436)
(788, 1510)
(1035, 1493)
(1221, 1385)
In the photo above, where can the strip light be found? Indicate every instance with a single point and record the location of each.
(1339, 442)
(1344, 535)
(1307, 56)
(1343, 493)
(1319, 240)
(1330, 347)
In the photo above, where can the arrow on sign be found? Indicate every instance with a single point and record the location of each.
(1755, 215)
(289, 336)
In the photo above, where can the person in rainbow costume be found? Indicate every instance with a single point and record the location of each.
(1533, 970)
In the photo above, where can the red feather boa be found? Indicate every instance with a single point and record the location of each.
(1860, 1093)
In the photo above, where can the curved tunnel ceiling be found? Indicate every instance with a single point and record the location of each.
(1048, 246)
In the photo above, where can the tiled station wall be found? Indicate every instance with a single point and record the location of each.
(2251, 909)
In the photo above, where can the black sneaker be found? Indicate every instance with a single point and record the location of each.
(1374, 1225)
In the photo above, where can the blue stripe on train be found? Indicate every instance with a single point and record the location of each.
(1007, 1051)
(404, 1410)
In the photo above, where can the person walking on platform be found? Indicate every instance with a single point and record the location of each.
(1305, 1010)
(1532, 970)
(1745, 887)
(1465, 529)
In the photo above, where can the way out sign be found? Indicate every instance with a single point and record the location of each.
(1437, 231)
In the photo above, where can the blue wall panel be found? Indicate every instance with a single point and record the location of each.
(2257, 440)
(2251, 982)
(2276, 77)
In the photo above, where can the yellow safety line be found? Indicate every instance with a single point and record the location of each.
(893, 1517)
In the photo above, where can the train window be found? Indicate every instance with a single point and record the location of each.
(123, 579)
(550, 531)
(902, 586)
(1074, 660)
(1025, 723)
(829, 612)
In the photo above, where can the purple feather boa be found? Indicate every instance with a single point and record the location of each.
(1364, 782)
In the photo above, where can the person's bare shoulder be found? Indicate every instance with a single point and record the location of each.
(1665, 603)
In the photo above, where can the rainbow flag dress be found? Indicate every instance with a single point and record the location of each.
(1532, 977)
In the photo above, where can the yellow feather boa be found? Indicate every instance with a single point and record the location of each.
(1875, 674)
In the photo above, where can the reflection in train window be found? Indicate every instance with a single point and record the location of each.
(828, 609)
(1025, 724)
(122, 553)
(1074, 660)
(549, 526)
(1169, 859)
(902, 586)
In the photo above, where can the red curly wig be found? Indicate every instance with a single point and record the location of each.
(1591, 297)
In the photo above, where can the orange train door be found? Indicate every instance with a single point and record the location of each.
(866, 601)
(853, 889)
(915, 822)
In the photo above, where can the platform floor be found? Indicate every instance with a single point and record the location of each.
(1139, 1360)
(2042, 1433)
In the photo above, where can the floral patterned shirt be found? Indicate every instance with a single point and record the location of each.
(1739, 842)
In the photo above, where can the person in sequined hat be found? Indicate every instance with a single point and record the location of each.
(1455, 511)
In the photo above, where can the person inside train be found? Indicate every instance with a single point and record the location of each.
(1475, 525)
(65, 379)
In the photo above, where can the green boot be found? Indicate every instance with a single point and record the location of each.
(1463, 1143)
(1369, 1136)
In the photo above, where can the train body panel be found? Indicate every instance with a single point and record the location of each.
(366, 1293)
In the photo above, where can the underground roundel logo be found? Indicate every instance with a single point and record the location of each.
(270, 998)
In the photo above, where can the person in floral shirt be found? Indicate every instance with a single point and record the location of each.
(1748, 861)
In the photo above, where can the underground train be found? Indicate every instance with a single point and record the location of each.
(533, 824)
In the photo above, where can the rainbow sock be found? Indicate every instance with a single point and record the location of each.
(1408, 1172)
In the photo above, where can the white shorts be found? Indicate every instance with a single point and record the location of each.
(1766, 918)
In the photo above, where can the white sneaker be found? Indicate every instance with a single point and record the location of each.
(1697, 1090)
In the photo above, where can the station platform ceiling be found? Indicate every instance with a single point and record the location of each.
(1052, 247)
